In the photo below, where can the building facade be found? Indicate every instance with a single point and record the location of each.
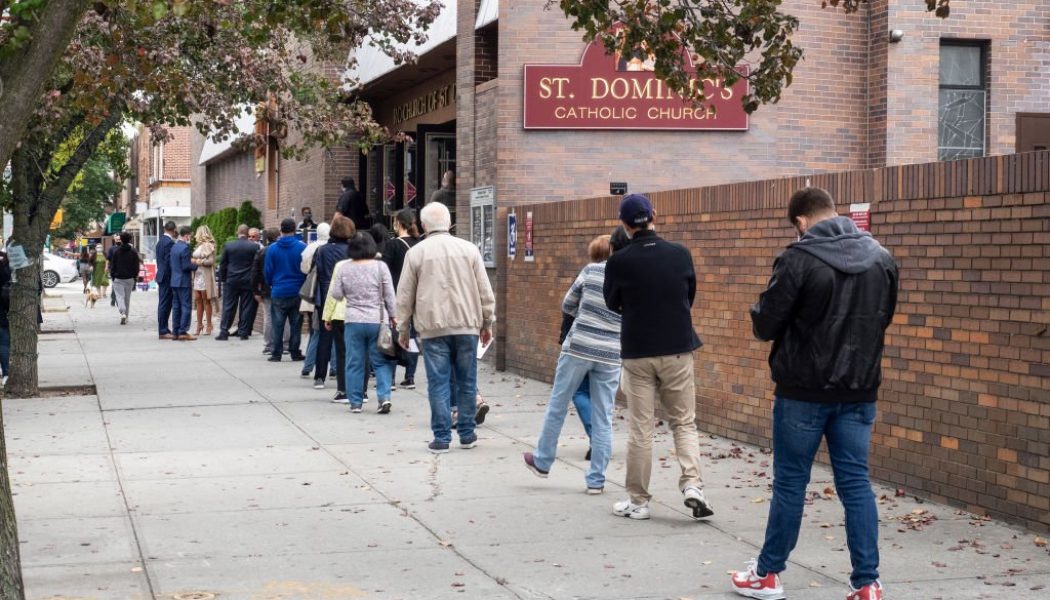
(159, 187)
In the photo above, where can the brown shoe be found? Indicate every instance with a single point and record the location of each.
(167, 336)
(187, 338)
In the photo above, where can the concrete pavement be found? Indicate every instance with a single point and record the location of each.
(198, 470)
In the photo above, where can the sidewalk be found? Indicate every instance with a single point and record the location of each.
(201, 471)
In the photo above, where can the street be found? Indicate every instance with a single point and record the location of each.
(198, 470)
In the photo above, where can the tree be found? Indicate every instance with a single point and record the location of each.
(717, 36)
(94, 188)
(33, 36)
(176, 62)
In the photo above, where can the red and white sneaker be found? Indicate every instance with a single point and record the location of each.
(748, 583)
(872, 591)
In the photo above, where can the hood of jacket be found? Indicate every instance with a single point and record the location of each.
(838, 243)
(286, 241)
(324, 231)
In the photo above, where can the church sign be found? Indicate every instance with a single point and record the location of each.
(621, 92)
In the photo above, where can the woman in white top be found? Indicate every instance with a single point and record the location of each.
(366, 285)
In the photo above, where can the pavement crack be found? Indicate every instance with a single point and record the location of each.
(432, 479)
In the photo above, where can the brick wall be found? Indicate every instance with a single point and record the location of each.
(819, 125)
(1019, 58)
(964, 412)
(231, 181)
(176, 154)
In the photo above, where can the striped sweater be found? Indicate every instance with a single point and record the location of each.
(595, 335)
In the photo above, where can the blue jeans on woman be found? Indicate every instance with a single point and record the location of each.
(360, 348)
(798, 428)
(604, 379)
(582, 401)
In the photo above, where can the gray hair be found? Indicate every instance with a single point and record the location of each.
(435, 217)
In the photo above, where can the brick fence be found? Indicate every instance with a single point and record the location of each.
(965, 403)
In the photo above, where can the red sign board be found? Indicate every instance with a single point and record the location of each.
(861, 215)
(618, 92)
(410, 192)
(389, 191)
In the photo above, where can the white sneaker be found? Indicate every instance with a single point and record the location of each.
(695, 500)
(747, 583)
(625, 508)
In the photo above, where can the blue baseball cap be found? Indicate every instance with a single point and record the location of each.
(635, 210)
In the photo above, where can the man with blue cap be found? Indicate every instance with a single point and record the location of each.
(652, 283)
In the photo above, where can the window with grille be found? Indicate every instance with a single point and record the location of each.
(963, 103)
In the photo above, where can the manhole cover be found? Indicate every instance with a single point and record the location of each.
(194, 596)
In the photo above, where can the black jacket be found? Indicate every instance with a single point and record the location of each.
(325, 259)
(124, 263)
(352, 205)
(258, 280)
(238, 258)
(826, 309)
(652, 284)
(394, 252)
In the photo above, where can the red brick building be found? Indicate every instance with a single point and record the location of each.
(159, 187)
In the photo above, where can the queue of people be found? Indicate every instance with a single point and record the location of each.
(378, 301)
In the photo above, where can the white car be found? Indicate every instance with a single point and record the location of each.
(58, 270)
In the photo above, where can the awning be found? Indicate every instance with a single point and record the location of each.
(488, 13)
(373, 63)
(115, 223)
(212, 150)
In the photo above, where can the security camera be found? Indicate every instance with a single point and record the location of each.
(896, 35)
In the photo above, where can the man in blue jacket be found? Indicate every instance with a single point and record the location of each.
(182, 269)
(284, 276)
(163, 253)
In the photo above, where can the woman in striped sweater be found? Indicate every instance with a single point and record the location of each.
(591, 350)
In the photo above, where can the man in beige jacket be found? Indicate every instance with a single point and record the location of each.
(445, 292)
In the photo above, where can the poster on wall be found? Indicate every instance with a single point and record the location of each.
(512, 236)
(861, 215)
(482, 223)
(530, 256)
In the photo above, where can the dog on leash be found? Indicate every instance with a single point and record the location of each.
(91, 299)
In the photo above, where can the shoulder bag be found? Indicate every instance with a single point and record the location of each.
(385, 342)
(308, 291)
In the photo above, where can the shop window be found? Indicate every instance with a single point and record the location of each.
(963, 103)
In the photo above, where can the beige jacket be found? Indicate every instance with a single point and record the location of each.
(444, 289)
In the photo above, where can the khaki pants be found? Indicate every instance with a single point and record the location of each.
(667, 380)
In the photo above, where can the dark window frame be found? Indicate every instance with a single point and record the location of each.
(983, 86)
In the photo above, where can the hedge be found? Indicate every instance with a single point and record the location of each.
(224, 223)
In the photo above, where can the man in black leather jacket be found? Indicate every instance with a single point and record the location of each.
(826, 309)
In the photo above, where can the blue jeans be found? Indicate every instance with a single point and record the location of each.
(164, 298)
(311, 350)
(447, 357)
(582, 401)
(604, 379)
(5, 349)
(181, 307)
(281, 310)
(797, 430)
(360, 340)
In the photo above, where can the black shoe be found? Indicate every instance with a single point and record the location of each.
(437, 447)
(318, 384)
(408, 384)
(244, 337)
(298, 357)
(479, 417)
(222, 337)
(468, 443)
(588, 456)
(384, 407)
(274, 359)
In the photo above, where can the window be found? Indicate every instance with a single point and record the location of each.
(963, 103)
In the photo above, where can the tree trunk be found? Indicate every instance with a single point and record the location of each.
(10, 561)
(24, 74)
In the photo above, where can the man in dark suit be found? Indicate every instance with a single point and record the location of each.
(235, 275)
(182, 269)
(163, 253)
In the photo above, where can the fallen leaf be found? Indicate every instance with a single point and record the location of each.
(1040, 542)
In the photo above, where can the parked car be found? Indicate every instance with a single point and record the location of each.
(58, 270)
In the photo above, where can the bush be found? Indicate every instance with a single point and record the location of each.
(223, 225)
(249, 215)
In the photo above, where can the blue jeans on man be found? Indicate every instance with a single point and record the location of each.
(446, 357)
(181, 310)
(164, 309)
(603, 380)
(360, 341)
(798, 428)
(282, 310)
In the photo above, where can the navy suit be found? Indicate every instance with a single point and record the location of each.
(181, 287)
(163, 252)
